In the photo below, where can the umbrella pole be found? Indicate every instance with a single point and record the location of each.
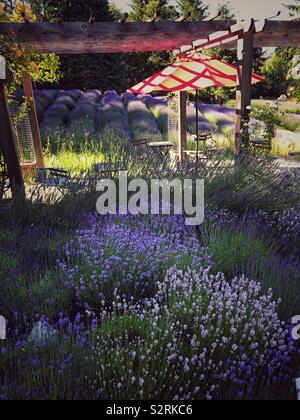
(197, 125)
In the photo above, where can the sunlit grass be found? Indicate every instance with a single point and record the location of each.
(74, 162)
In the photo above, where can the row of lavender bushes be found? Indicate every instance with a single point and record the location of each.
(136, 117)
(76, 111)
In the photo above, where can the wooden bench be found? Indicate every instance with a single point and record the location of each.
(294, 154)
(261, 144)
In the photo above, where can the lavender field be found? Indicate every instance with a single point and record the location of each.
(135, 117)
(146, 117)
(144, 307)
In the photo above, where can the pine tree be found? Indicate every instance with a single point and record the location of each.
(294, 8)
(115, 12)
(226, 11)
(71, 10)
(143, 10)
(197, 9)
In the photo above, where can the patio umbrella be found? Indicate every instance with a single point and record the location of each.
(191, 73)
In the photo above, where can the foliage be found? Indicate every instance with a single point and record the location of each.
(142, 123)
(115, 12)
(294, 76)
(143, 10)
(226, 11)
(269, 118)
(294, 7)
(19, 58)
(197, 9)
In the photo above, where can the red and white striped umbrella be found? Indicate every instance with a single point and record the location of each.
(193, 72)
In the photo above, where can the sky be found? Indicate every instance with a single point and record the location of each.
(258, 9)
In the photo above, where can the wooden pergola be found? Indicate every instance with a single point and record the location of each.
(123, 37)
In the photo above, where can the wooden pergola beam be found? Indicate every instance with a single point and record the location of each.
(108, 37)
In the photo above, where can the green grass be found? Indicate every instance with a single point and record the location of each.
(287, 107)
(73, 162)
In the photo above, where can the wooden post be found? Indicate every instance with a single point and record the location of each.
(35, 130)
(244, 90)
(9, 145)
(197, 125)
(182, 125)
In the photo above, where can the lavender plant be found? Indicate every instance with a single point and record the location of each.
(199, 337)
(129, 253)
(142, 123)
(113, 116)
(159, 109)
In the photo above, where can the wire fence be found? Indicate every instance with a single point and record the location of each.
(4, 181)
(23, 133)
(173, 124)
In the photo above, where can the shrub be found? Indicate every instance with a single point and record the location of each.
(57, 110)
(254, 183)
(198, 338)
(55, 368)
(159, 109)
(67, 101)
(232, 249)
(128, 253)
(142, 123)
(113, 116)
(287, 229)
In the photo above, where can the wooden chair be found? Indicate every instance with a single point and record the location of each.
(53, 177)
(204, 139)
(139, 143)
(261, 144)
(109, 169)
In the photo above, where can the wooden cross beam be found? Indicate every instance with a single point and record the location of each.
(107, 37)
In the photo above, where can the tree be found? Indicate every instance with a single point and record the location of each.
(83, 71)
(294, 8)
(196, 8)
(276, 71)
(294, 72)
(140, 65)
(23, 59)
(226, 11)
(143, 10)
(115, 12)
(71, 10)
